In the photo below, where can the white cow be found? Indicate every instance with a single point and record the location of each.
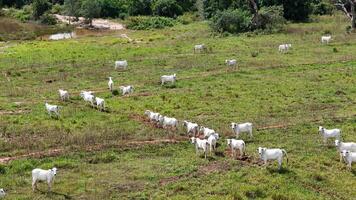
(2, 193)
(192, 128)
(127, 89)
(43, 175)
(212, 140)
(153, 116)
(168, 78)
(350, 157)
(200, 48)
(200, 145)
(100, 103)
(52, 109)
(168, 122)
(236, 145)
(348, 146)
(206, 131)
(111, 84)
(121, 64)
(283, 48)
(326, 39)
(242, 128)
(231, 63)
(272, 154)
(329, 133)
(63, 94)
(88, 97)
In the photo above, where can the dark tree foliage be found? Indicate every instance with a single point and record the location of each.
(211, 7)
(15, 3)
(296, 10)
(40, 7)
(139, 7)
(167, 8)
(112, 8)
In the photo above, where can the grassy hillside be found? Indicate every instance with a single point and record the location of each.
(312, 85)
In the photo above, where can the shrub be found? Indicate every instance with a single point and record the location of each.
(56, 9)
(144, 23)
(270, 19)
(167, 8)
(323, 8)
(254, 54)
(188, 18)
(23, 15)
(232, 21)
(48, 19)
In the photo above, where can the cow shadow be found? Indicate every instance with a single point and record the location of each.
(274, 170)
(51, 193)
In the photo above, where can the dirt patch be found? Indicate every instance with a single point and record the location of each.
(128, 187)
(97, 23)
(17, 112)
(216, 166)
(99, 147)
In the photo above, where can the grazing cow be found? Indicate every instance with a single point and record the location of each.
(212, 140)
(325, 39)
(348, 146)
(121, 64)
(43, 175)
(168, 78)
(236, 145)
(200, 145)
(100, 103)
(154, 117)
(200, 48)
(88, 97)
(350, 157)
(231, 63)
(127, 89)
(206, 131)
(272, 154)
(111, 84)
(242, 128)
(329, 133)
(192, 128)
(166, 122)
(283, 48)
(2, 193)
(52, 109)
(63, 94)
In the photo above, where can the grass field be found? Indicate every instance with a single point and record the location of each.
(312, 85)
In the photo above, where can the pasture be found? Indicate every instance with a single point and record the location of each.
(118, 154)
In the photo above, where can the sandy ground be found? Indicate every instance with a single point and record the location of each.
(97, 23)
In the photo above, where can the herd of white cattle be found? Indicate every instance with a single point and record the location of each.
(204, 139)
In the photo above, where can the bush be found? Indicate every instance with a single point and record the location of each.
(323, 8)
(144, 23)
(112, 8)
(296, 10)
(23, 15)
(232, 21)
(270, 19)
(188, 18)
(167, 8)
(48, 19)
(56, 9)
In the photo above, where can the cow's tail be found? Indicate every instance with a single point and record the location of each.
(285, 153)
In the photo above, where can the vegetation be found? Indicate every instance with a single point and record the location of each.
(144, 23)
(102, 157)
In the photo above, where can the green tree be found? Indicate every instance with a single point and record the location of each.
(139, 7)
(232, 21)
(167, 8)
(296, 10)
(72, 8)
(90, 9)
(39, 7)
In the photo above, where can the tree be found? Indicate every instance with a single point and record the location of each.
(349, 9)
(72, 8)
(296, 10)
(40, 7)
(139, 7)
(167, 8)
(90, 9)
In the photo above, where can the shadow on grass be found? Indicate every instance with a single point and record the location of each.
(283, 170)
(219, 154)
(353, 172)
(50, 194)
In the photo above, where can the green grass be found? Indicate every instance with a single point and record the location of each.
(311, 85)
